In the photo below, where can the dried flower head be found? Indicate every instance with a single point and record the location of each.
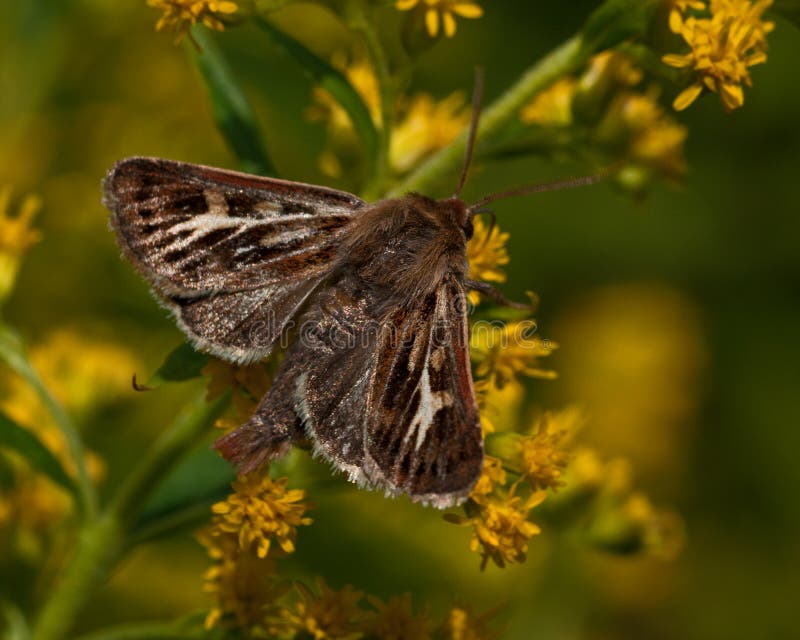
(395, 620)
(331, 615)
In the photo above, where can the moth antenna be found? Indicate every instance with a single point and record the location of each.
(569, 183)
(477, 100)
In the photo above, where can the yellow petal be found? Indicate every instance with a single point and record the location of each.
(405, 5)
(675, 60)
(687, 97)
(467, 10)
(432, 22)
(449, 24)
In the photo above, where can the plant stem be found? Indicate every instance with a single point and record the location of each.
(564, 59)
(102, 539)
(359, 22)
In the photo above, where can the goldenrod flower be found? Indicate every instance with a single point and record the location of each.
(180, 15)
(245, 586)
(426, 126)
(262, 510)
(505, 351)
(492, 476)
(542, 456)
(423, 125)
(723, 48)
(395, 620)
(440, 14)
(501, 529)
(553, 106)
(486, 254)
(16, 237)
(331, 615)
(461, 624)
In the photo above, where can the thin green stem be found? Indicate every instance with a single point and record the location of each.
(102, 540)
(563, 60)
(360, 23)
(13, 352)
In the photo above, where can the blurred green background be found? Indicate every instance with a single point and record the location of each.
(677, 317)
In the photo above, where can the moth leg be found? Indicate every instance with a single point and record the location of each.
(269, 433)
(493, 294)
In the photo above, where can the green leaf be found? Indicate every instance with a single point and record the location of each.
(184, 498)
(333, 81)
(183, 363)
(233, 113)
(617, 20)
(25, 443)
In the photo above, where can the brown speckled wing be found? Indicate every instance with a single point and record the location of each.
(422, 431)
(234, 256)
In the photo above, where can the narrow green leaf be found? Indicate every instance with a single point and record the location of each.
(183, 363)
(26, 444)
(233, 113)
(333, 81)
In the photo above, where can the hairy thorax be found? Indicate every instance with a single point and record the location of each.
(408, 245)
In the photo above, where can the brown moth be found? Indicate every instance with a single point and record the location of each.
(377, 375)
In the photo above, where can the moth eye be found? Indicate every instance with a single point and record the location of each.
(468, 230)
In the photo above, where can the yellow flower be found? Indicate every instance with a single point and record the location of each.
(245, 587)
(16, 237)
(395, 620)
(681, 7)
(553, 106)
(327, 616)
(423, 125)
(501, 529)
(426, 126)
(486, 253)
(542, 455)
(463, 625)
(442, 12)
(180, 15)
(504, 351)
(723, 48)
(492, 476)
(262, 510)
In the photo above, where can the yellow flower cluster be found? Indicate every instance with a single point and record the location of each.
(81, 375)
(503, 351)
(16, 237)
(423, 125)
(239, 541)
(615, 116)
(331, 614)
(440, 15)
(730, 38)
(180, 15)
(486, 254)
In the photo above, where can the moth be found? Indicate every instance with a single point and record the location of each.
(377, 375)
